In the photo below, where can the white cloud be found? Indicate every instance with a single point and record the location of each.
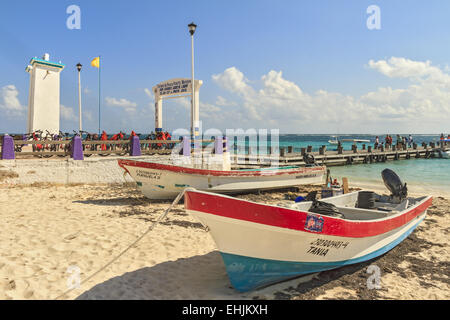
(222, 102)
(281, 103)
(414, 70)
(234, 81)
(277, 87)
(184, 102)
(9, 101)
(67, 113)
(149, 93)
(122, 103)
(207, 110)
(401, 67)
(88, 115)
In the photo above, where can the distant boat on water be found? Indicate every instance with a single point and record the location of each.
(333, 141)
(356, 140)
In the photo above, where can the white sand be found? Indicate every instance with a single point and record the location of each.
(47, 229)
(53, 228)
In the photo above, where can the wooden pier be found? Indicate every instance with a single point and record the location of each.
(287, 156)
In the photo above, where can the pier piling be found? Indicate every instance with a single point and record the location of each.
(8, 148)
(77, 148)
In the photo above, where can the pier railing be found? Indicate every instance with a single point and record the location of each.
(77, 148)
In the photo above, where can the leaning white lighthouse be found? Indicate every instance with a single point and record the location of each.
(43, 100)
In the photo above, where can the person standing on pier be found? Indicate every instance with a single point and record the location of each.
(399, 139)
(104, 137)
(169, 137)
(153, 137)
(410, 141)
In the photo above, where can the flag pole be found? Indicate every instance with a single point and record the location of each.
(99, 94)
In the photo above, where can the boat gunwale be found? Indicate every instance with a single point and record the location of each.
(219, 173)
(335, 226)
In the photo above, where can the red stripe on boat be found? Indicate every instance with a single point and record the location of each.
(291, 219)
(178, 169)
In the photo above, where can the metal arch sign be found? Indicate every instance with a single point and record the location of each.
(173, 87)
(177, 88)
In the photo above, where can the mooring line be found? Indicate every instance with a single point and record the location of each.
(160, 218)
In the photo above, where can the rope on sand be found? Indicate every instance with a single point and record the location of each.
(160, 218)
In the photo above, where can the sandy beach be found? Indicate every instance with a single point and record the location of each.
(51, 232)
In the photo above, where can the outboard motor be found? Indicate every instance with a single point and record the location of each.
(309, 159)
(392, 181)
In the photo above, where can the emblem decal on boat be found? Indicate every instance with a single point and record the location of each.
(314, 223)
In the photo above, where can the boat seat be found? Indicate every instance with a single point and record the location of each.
(390, 207)
(361, 214)
(349, 213)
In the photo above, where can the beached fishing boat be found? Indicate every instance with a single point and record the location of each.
(263, 244)
(162, 181)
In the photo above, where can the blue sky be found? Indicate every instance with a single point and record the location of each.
(300, 66)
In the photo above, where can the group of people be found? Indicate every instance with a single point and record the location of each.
(163, 136)
(443, 137)
(388, 141)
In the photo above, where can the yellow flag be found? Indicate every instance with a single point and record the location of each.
(96, 62)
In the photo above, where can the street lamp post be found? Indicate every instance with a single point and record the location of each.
(194, 117)
(79, 66)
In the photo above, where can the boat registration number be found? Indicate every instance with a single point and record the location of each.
(148, 175)
(320, 247)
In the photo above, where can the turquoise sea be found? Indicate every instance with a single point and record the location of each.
(422, 175)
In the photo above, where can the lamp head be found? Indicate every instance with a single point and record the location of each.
(192, 28)
(79, 65)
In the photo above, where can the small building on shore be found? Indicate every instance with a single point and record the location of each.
(44, 95)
